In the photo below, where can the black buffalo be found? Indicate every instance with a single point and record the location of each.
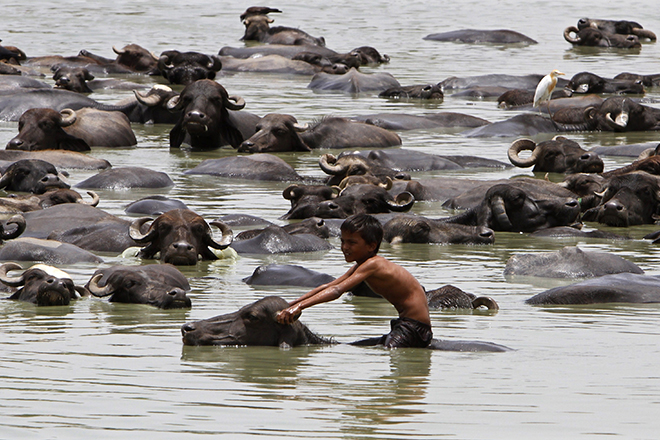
(451, 297)
(205, 122)
(33, 202)
(180, 236)
(506, 207)
(261, 166)
(617, 113)
(595, 37)
(131, 58)
(127, 177)
(628, 199)
(31, 175)
(353, 81)
(499, 36)
(276, 240)
(47, 129)
(418, 229)
(257, 28)
(160, 285)
(278, 132)
(559, 155)
(41, 285)
(187, 67)
(587, 82)
(46, 251)
(623, 27)
(420, 91)
(356, 164)
(72, 78)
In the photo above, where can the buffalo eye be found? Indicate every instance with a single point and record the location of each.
(127, 284)
(251, 317)
(279, 131)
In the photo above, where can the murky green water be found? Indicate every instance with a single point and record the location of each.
(100, 370)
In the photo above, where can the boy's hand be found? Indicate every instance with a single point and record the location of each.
(289, 315)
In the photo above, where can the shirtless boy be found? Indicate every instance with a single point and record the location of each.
(361, 236)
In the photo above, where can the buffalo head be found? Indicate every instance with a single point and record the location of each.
(41, 285)
(275, 132)
(72, 78)
(180, 236)
(187, 67)
(31, 175)
(204, 116)
(43, 129)
(559, 155)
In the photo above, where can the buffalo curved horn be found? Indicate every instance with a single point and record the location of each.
(17, 220)
(620, 121)
(387, 185)
(499, 210)
(486, 301)
(147, 99)
(5, 180)
(118, 51)
(139, 237)
(227, 235)
(11, 281)
(95, 199)
(644, 33)
(68, 117)
(328, 163)
(174, 103)
(292, 192)
(520, 145)
(97, 290)
(300, 127)
(238, 104)
(567, 35)
(403, 202)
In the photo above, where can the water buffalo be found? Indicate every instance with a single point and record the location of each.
(312, 225)
(41, 285)
(131, 58)
(401, 159)
(418, 229)
(595, 37)
(72, 78)
(58, 158)
(262, 166)
(507, 207)
(46, 251)
(160, 285)
(180, 236)
(353, 81)
(356, 199)
(154, 205)
(451, 297)
(187, 67)
(127, 177)
(337, 64)
(646, 80)
(355, 164)
(276, 240)
(31, 175)
(255, 324)
(559, 155)
(622, 114)
(274, 63)
(150, 107)
(628, 199)
(526, 124)
(400, 121)
(286, 275)
(257, 10)
(420, 91)
(285, 50)
(278, 132)
(33, 202)
(305, 199)
(257, 28)
(569, 262)
(615, 288)
(85, 226)
(500, 36)
(9, 233)
(623, 27)
(525, 82)
(587, 82)
(47, 129)
(205, 122)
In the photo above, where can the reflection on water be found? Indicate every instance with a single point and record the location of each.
(104, 370)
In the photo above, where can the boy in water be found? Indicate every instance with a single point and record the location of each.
(360, 240)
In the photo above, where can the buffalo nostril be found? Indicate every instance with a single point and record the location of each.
(586, 156)
(172, 293)
(14, 143)
(573, 204)
(187, 328)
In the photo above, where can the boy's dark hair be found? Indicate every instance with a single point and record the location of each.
(367, 226)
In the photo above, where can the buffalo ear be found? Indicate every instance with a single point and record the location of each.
(287, 337)
(16, 294)
(232, 135)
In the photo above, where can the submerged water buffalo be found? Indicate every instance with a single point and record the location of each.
(160, 285)
(287, 275)
(569, 262)
(594, 37)
(127, 177)
(587, 82)
(312, 225)
(41, 285)
(47, 129)
(559, 155)
(499, 36)
(616, 113)
(353, 81)
(131, 58)
(187, 67)
(205, 122)
(628, 199)
(274, 63)
(451, 297)
(257, 28)
(31, 175)
(255, 324)
(623, 27)
(401, 121)
(12, 232)
(420, 91)
(355, 164)
(180, 236)
(46, 251)
(418, 229)
(33, 202)
(278, 132)
(261, 166)
(615, 288)
(507, 207)
(154, 205)
(277, 240)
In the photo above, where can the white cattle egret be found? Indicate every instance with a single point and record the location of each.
(545, 87)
